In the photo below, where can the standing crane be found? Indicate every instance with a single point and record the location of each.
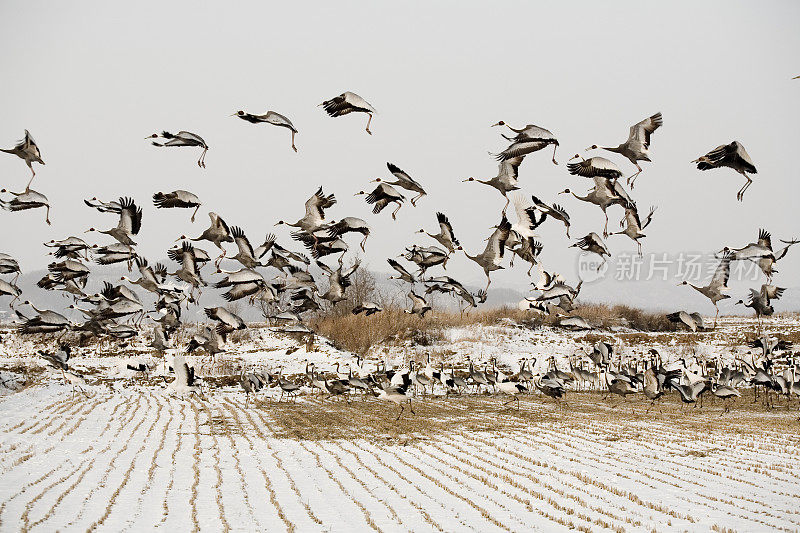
(637, 147)
(28, 151)
(348, 102)
(270, 117)
(182, 138)
(733, 156)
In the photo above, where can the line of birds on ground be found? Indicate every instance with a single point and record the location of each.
(628, 375)
(117, 310)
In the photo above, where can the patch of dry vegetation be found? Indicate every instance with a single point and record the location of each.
(606, 316)
(358, 333)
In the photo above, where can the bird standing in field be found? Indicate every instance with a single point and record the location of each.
(348, 102)
(26, 150)
(182, 199)
(270, 117)
(733, 156)
(405, 181)
(636, 148)
(399, 394)
(182, 138)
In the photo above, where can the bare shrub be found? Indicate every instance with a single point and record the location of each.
(605, 316)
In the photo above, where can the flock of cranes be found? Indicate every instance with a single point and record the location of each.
(116, 312)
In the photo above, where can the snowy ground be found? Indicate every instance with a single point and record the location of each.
(131, 458)
(138, 460)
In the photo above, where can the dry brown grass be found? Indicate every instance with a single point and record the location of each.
(316, 419)
(358, 333)
(605, 316)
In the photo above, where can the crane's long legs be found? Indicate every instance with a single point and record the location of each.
(555, 146)
(394, 213)
(368, 122)
(195, 212)
(605, 227)
(202, 161)
(33, 175)
(293, 146)
(632, 178)
(740, 194)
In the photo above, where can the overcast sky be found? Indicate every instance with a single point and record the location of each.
(91, 79)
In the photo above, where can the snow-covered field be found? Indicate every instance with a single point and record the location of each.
(130, 457)
(138, 460)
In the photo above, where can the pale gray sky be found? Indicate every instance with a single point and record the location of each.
(91, 79)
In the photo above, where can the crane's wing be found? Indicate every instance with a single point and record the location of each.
(765, 238)
(723, 272)
(399, 268)
(316, 205)
(497, 241)
(400, 174)
(446, 227)
(242, 241)
(641, 130)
